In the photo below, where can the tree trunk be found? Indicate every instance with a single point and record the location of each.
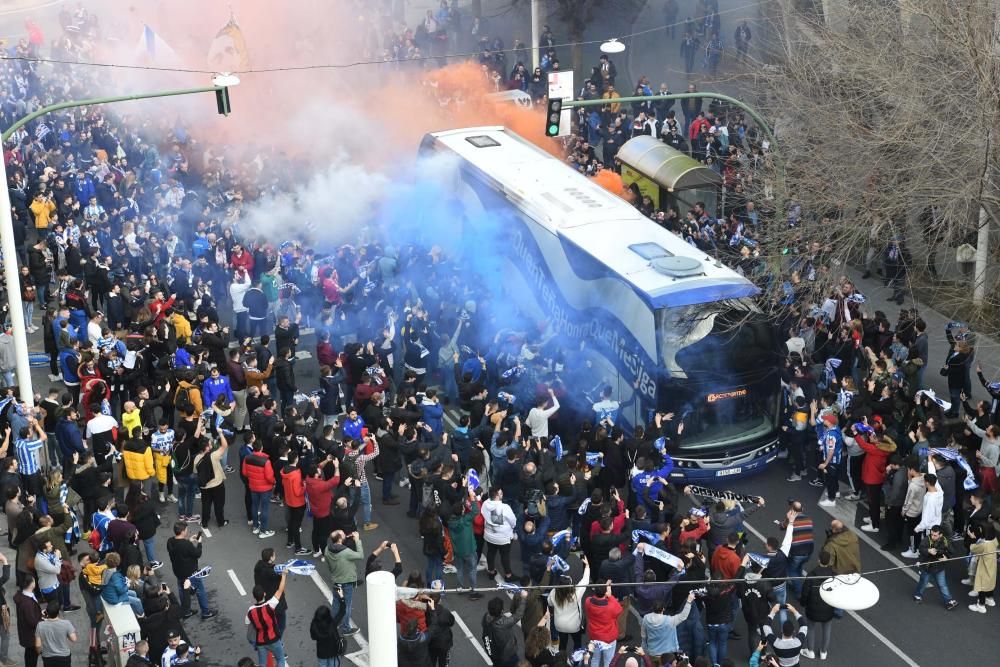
(477, 8)
(576, 36)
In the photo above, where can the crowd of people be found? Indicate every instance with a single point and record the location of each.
(173, 337)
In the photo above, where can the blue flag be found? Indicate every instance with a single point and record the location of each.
(760, 559)
(556, 444)
(649, 536)
(295, 566)
(660, 444)
(593, 458)
(557, 538)
(472, 479)
(952, 455)
(558, 564)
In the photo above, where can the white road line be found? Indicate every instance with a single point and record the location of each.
(882, 638)
(236, 582)
(846, 516)
(862, 622)
(327, 593)
(475, 642)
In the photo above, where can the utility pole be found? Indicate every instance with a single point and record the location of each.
(7, 247)
(536, 33)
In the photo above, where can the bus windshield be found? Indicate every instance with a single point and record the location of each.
(722, 375)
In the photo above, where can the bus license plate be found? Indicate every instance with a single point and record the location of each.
(727, 472)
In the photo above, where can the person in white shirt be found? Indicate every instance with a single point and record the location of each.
(930, 512)
(499, 523)
(538, 416)
(94, 328)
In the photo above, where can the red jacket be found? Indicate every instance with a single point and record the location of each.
(158, 308)
(602, 618)
(295, 489)
(320, 494)
(257, 470)
(876, 458)
(245, 260)
(726, 561)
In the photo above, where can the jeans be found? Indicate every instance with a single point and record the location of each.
(275, 648)
(29, 312)
(691, 633)
(198, 586)
(780, 593)
(330, 662)
(435, 569)
(260, 505)
(939, 579)
(388, 479)
(795, 564)
(8, 378)
(820, 634)
(187, 486)
(466, 566)
(366, 499)
(148, 546)
(4, 643)
(718, 642)
(603, 654)
(348, 589)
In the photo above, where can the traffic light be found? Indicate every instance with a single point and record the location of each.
(222, 100)
(552, 116)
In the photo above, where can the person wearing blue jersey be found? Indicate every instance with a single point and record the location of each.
(27, 449)
(831, 446)
(215, 386)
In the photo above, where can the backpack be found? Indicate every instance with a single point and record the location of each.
(349, 467)
(94, 540)
(182, 400)
(205, 470)
(534, 505)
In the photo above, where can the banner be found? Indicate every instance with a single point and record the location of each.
(662, 556)
(295, 566)
(228, 51)
(718, 494)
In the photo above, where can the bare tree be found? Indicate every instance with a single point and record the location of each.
(888, 126)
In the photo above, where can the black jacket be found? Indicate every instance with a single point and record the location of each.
(284, 374)
(814, 606)
(327, 635)
(184, 555)
(265, 577)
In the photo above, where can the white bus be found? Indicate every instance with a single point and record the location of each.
(671, 329)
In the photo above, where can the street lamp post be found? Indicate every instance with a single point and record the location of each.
(9, 250)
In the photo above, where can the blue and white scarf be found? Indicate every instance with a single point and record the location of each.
(929, 393)
(556, 444)
(557, 538)
(74, 530)
(662, 556)
(649, 536)
(295, 566)
(558, 564)
(472, 479)
(760, 559)
(583, 507)
(951, 455)
(202, 573)
(593, 458)
(828, 369)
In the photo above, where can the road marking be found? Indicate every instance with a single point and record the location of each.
(327, 593)
(475, 642)
(236, 582)
(207, 532)
(845, 516)
(862, 622)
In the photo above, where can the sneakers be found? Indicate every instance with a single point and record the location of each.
(71, 607)
(806, 653)
(978, 608)
(973, 593)
(211, 613)
(404, 483)
(194, 518)
(910, 553)
(951, 604)
(264, 534)
(793, 478)
(350, 631)
(163, 498)
(868, 528)
(818, 483)
(171, 498)
(317, 554)
(475, 595)
(918, 598)
(852, 497)
(826, 502)
(866, 519)
(990, 602)
(197, 496)
(302, 551)
(450, 569)
(55, 378)
(230, 470)
(371, 525)
(256, 530)
(967, 581)
(822, 655)
(275, 500)
(155, 564)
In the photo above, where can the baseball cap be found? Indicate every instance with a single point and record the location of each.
(173, 634)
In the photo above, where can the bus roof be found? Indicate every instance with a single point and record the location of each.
(661, 267)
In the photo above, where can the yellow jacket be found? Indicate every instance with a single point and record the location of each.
(43, 210)
(182, 327)
(132, 421)
(138, 458)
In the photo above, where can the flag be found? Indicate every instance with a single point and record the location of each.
(638, 535)
(152, 48)
(863, 428)
(228, 51)
(202, 573)
(556, 444)
(558, 564)
(472, 479)
(857, 298)
(295, 566)
(513, 588)
(760, 559)
(593, 458)
(952, 455)
(557, 538)
(828, 367)
(660, 444)
(929, 393)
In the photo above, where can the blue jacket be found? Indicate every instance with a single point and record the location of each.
(557, 510)
(116, 590)
(69, 361)
(352, 427)
(433, 416)
(69, 438)
(212, 388)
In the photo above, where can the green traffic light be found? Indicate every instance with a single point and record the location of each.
(553, 129)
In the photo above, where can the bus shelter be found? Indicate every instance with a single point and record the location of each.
(668, 176)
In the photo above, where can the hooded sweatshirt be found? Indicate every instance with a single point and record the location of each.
(659, 631)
